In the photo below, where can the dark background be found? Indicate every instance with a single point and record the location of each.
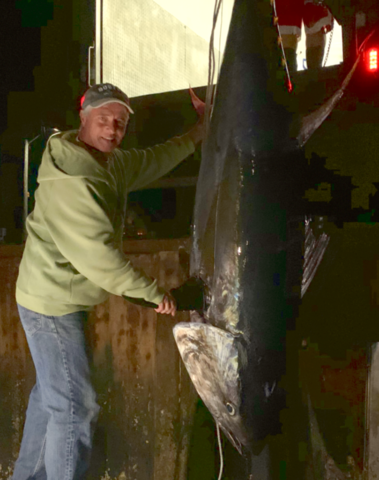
(40, 56)
(43, 76)
(43, 69)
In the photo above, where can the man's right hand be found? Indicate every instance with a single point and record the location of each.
(167, 305)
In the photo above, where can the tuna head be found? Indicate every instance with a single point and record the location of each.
(214, 359)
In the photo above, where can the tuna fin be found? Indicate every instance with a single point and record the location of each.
(311, 122)
(198, 104)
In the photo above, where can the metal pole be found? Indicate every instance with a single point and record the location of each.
(26, 178)
(26, 183)
(372, 417)
(99, 41)
(90, 49)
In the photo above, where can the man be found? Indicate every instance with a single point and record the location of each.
(73, 260)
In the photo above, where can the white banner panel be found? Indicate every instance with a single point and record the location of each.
(144, 48)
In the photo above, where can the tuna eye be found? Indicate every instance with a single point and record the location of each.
(231, 410)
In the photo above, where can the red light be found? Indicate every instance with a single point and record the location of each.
(372, 60)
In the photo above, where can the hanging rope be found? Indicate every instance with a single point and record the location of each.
(285, 63)
(211, 67)
(219, 41)
(220, 451)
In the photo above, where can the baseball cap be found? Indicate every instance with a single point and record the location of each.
(103, 93)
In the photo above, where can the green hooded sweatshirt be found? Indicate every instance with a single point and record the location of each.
(73, 257)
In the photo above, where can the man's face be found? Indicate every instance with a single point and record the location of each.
(104, 127)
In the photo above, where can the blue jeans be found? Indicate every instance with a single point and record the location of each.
(62, 409)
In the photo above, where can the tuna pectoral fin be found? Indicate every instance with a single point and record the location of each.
(310, 123)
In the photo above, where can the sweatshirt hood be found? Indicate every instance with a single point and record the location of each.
(65, 156)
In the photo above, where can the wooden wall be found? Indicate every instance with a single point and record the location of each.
(146, 398)
(148, 403)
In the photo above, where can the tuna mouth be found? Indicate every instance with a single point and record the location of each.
(235, 442)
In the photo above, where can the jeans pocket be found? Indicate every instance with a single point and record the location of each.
(70, 327)
(31, 321)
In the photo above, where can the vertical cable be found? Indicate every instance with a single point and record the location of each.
(220, 452)
(211, 67)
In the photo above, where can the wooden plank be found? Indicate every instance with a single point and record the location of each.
(136, 373)
(175, 397)
(172, 182)
(155, 246)
(16, 370)
(143, 431)
(372, 415)
(11, 251)
(130, 246)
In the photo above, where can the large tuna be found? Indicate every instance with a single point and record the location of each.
(249, 231)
